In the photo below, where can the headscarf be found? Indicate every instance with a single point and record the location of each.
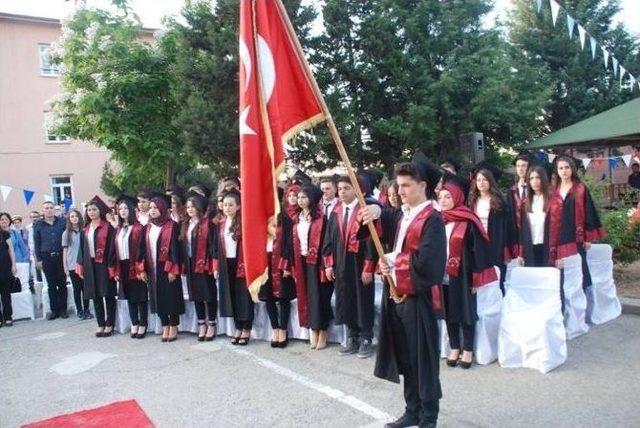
(163, 206)
(290, 210)
(461, 212)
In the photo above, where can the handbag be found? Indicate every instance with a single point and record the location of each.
(15, 285)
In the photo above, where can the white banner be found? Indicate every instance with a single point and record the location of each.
(570, 24)
(593, 47)
(555, 8)
(627, 160)
(586, 162)
(605, 54)
(583, 35)
(5, 191)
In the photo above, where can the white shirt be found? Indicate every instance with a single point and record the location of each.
(448, 228)
(407, 218)
(537, 218)
(90, 242)
(192, 225)
(230, 245)
(122, 241)
(303, 227)
(483, 208)
(143, 218)
(270, 240)
(351, 206)
(331, 205)
(154, 235)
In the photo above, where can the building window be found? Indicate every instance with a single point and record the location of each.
(61, 189)
(46, 68)
(49, 136)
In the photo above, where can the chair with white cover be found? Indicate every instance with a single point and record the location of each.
(22, 302)
(489, 307)
(603, 301)
(510, 266)
(532, 333)
(575, 300)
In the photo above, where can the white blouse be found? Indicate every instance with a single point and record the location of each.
(122, 241)
(192, 225)
(537, 218)
(483, 208)
(90, 241)
(303, 227)
(154, 235)
(230, 245)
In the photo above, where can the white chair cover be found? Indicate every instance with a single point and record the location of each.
(507, 276)
(23, 275)
(23, 305)
(532, 333)
(603, 300)
(575, 300)
(46, 308)
(489, 307)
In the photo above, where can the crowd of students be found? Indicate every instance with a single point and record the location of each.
(444, 236)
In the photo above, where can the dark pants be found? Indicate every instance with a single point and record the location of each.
(139, 312)
(278, 311)
(204, 308)
(78, 292)
(105, 319)
(538, 256)
(403, 322)
(468, 333)
(171, 320)
(5, 295)
(57, 281)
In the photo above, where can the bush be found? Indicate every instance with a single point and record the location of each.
(623, 236)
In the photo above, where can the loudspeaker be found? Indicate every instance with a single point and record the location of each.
(471, 147)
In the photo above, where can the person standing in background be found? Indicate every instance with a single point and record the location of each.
(70, 249)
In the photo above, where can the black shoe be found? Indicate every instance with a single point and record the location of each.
(406, 420)
(53, 316)
(87, 315)
(143, 334)
(366, 349)
(81, 315)
(351, 347)
(8, 323)
(64, 315)
(274, 344)
(428, 425)
(452, 363)
(465, 364)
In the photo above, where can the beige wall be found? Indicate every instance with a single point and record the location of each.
(27, 159)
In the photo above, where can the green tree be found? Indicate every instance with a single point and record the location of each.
(116, 93)
(581, 85)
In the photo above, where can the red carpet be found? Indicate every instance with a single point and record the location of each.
(115, 415)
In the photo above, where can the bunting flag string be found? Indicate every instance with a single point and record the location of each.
(5, 191)
(28, 195)
(598, 161)
(582, 32)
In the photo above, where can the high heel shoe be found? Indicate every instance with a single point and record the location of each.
(208, 337)
(322, 340)
(313, 339)
(466, 364)
(451, 362)
(244, 340)
(134, 331)
(143, 334)
(236, 337)
(173, 336)
(165, 334)
(100, 332)
(275, 343)
(202, 330)
(108, 331)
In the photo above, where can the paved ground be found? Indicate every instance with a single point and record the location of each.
(51, 368)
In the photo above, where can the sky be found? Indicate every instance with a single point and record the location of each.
(151, 12)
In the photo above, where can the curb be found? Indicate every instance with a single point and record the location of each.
(630, 306)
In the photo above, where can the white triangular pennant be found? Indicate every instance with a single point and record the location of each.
(583, 35)
(614, 62)
(551, 157)
(622, 72)
(586, 162)
(605, 54)
(538, 5)
(570, 24)
(593, 47)
(5, 191)
(632, 80)
(626, 159)
(555, 8)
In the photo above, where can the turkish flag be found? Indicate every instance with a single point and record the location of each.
(277, 100)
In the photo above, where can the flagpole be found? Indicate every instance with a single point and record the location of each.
(335, 136)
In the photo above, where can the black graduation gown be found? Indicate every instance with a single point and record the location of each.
(514, 205)
(354, 300)
(460, 302)
(568, 229)
(165, 297)
(413, 348)
(526, 241)
(97, 281)
(287, 284)
(133, 290)
(201, 286)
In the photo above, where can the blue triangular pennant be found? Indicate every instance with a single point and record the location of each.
(67, 204)
(613, 162)
(28, 195)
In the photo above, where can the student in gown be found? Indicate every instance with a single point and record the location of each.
(70, 249)
(144, 198)
(280, 289)
(517, 194)
(469, 267)
(198, 236)
(129, 241)
(393, 199)
(329, 190)
(409, 339)
(159, 265)
(314, 291)
(178, 213)
(235, 299)
(486, 200)
(574, 221)
(533, 245)
(348, 263)
(96, 261)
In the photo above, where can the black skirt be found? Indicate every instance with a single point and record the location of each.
(135, 291)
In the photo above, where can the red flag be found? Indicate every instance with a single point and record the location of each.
(277, 100)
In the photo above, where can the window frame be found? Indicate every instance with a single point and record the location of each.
(52, 70)
(60, 186)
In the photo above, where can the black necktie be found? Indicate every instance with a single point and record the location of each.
(326, 210)
(523, 191)
(345, 223)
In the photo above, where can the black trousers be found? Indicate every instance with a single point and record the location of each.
(278, 311)
(57, 281)
(105, 319)
(139, 313)
(78, 293)
(403, 322)
(171, 320)
(206, 310)
(5, 297)
(538, 256)
(468, 333)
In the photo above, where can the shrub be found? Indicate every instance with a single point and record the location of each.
(623, 236)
